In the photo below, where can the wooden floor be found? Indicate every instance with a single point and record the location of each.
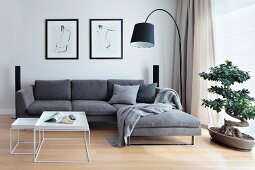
(204, 155)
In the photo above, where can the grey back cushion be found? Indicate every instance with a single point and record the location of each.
(89, 90)
(52, 90)
(146, 93)
(111, 82)
(124, 94)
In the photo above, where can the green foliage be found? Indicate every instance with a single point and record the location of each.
(216, 104)
(236, 102)
(240, 107)
(226, 73)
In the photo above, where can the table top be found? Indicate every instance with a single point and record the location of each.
(80, 124)
(24, 123)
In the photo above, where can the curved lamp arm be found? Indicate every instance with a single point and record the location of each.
(143, 37)
(177, 28)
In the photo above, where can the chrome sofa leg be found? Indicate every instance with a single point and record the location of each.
(192, 140)
(129, 140)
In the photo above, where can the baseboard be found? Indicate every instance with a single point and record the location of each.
(7, 112)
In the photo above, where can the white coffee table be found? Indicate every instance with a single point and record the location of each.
(80, 124)
(22, 124)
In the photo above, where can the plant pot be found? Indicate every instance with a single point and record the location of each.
(231, 141)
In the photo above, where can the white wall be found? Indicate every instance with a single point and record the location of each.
(22, 42)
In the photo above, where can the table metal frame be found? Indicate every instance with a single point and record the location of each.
(13, 149)
(38, 149)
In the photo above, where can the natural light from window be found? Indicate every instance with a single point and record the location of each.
(234, 33)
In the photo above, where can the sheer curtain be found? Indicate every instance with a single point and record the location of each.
(203, 59)
(234, 32)
(195, 20)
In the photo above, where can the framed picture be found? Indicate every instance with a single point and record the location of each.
(106, 38)
(62, 39)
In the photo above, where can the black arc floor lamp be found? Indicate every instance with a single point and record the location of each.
(143, 37)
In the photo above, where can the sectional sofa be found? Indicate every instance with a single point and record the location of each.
(92, 96)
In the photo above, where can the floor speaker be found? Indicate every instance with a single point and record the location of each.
(17, 78)
(156, 74)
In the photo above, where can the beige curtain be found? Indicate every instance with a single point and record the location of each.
(185, 21)
(195, 20)
(203, 58)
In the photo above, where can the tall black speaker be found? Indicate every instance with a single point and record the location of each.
(17, 78)
(156, 74)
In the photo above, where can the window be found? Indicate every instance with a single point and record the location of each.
(234, 35)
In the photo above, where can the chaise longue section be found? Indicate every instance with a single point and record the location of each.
(172, 123)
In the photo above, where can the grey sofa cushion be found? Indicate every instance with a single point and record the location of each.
(119, 106)
(92, 107)
(111, 82)
(89, 90)
(173, 118)
(146, 93)
(105, 119)
(52, 90)
(49, 105)
(172, 131)
(124, 94)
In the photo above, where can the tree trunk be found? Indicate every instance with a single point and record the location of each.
(229, 126)
(243, 122)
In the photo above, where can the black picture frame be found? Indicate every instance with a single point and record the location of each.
(119, 32)
(50, 26)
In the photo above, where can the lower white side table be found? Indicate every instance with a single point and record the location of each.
(22, 124)
(79, 125)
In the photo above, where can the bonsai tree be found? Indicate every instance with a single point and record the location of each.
(236, 103)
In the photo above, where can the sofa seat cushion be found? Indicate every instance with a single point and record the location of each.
(49, 105)
(174, 118)
(119, 106)
(93, 107)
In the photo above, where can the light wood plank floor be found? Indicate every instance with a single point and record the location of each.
(204, 155)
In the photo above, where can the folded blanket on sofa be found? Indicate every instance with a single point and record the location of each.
(127, 117)
(169, 96)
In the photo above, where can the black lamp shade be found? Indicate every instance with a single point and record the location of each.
(143, 35)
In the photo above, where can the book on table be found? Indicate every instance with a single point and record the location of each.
(59, 117)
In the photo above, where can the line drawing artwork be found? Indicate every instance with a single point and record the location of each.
(106, 37)
(63, 39)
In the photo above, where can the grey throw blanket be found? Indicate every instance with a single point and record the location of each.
(127, 117)
(169, 96)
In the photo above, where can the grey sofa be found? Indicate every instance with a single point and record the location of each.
(92, 96)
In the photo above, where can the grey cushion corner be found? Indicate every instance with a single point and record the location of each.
(52, 90)
(146, 93)
(124, 94)
(124, 82)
